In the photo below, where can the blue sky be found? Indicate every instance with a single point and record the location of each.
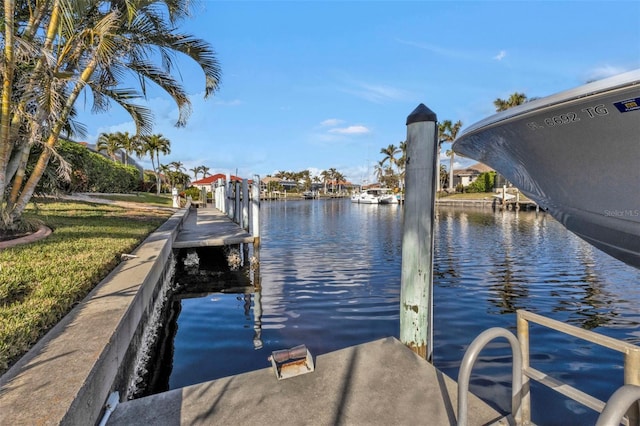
(327, 84)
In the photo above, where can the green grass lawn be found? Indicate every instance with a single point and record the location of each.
(473, 196)
(163, 200)
(41, 282)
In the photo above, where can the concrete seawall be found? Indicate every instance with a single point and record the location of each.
(68, 375)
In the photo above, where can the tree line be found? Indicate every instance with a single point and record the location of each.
(332, 180)
(390, 170)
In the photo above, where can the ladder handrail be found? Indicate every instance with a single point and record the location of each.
(469, 360)
(618, 404)
(631, 359)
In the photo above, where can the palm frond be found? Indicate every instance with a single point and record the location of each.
(148, 71)
(142, 116)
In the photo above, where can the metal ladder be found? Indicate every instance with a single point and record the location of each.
(622, 406)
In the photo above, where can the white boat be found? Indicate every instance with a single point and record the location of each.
(577, 154)
(388, 198)
(369, 196)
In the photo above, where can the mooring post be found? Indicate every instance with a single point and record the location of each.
(245, 204)
(255, 211)
(229, 197)
(416, 290)
(221, 201)
(237, 213)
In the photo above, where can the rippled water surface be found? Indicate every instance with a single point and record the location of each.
(330, 278)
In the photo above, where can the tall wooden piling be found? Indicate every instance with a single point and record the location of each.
(416, 293)
(244, 222)
(255, 211)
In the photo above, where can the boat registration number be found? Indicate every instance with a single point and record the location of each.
(568, 117)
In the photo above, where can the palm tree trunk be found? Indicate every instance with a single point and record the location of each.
(7, 86)
(43, 160)
(451, 170)
(439, 186)
(21, 163)
(158, 173)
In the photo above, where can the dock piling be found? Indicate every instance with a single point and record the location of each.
(416, 291)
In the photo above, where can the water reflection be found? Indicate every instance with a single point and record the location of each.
(329, 278)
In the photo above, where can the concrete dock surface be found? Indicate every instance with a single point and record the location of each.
(210, 227)
(376, 383)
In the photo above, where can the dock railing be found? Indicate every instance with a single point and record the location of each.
(624, 402)
(631, 364)
(240, 201)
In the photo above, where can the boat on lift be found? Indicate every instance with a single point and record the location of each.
(575, 153)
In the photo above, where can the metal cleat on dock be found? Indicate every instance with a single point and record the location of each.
(291, 362)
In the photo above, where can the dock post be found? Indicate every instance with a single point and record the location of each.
(237, 212)
(632, 377)
(245, 204)
(228, 191)
(255, 212)
(416, 290)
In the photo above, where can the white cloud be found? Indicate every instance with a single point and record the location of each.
(441, 51)
(378, 93)
(604, 72)
(350, 130)
(234, 102)
(331, 122)
(501, 55)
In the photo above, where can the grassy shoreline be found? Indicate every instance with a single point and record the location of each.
(42, 281)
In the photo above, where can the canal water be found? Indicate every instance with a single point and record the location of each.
(329, 278)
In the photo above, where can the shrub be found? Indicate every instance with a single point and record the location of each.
(90, 172)
(484, 183)
(194, 192)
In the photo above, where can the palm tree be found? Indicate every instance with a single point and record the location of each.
(165, 170)
(128, 143)
(449, 133)
(340, 179)
(379, 170)
(390, 153)
(443, 128)
(177, 166)
(66, 47)
(332, 176)
(109, 143)
(205, 171)
(514, 100)
(326, 176)
(195, 171)
(154, 145)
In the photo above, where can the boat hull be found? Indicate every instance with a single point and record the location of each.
(576, 154)
(365, 199)
(388, 199)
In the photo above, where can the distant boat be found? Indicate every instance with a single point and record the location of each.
(577, 154)
(375, 196)
(308, 195)
(388, 198)
(368, 196)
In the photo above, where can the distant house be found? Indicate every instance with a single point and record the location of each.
(339, 185)
(212, 180)
(270, 182)
(467, 176)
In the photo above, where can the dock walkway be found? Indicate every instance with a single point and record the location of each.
(376, 383)
(209, 227)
